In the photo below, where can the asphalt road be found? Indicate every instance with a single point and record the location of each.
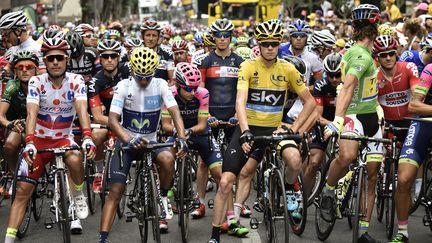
(201, 229)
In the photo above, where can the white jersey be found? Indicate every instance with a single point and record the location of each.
(56, 105)
(28, 45)
(140, 108)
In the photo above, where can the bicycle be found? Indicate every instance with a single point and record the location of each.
(351, 191)
(386, 183)
(145, 203)
(62, 203)
(271, 193)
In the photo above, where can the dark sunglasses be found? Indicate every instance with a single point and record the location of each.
(89, 35)
(24, 66)
(140, 78)
(188, 88)
(59, 58)
(110, 55)
(386, 54)
(222, 34)
(298, 34)
(335, 75)
(267, 44)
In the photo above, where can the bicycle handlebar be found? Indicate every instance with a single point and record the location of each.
(149, 146)
(422, 119)
(367, 139)
(60, 150)
(279, 137)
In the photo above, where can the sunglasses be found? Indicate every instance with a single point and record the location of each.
(24, 66)
(222, 34)
(59, 58)
(188, 88)
(141, 78)
(267, 44)
(179, 53)
(110, 55)
(335, 75)
(298, 34)
(89, 35)
(387, 54)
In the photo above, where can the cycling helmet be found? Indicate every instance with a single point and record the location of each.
(269, 31)
(242, 41)
(82, 28)
(13, 20)
(277, 21)
(76, 43)
(221, 25)
(384, 43)
(187, 75)
(133, 42)
(189, 37)
(116, 26)
(109, 45)
(180, 46)
(366, 12)
(322, 38)
(144, 61)
(426, 42)
(299, 26)
(55, 27)
(198, 37)
(25, 55)
(332, 63)
(113, 33)
(52, 33)
(256, 52)
(244, 52)
(385, 29)
(349, 43)
(208, 40)
(54, 44)
(298, 63)
(167, 31)
(150, 24)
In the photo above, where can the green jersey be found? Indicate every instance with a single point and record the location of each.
(14, 95)
(358, 61)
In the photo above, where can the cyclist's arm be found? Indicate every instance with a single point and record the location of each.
(32, 105)
(117, 128)
(301, 124)
(4, 107)
(203, 112)
(345, 96)
(416, 105)
(80, 103)
(98, 115)
(178, 121)
(167, 125)
(242, 95)
(32, 111)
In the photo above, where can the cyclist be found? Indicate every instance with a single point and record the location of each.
(150, 32)
(193, 104)
(325, 98)
(137, 102)
(100, 94)
(322, 43)
(420, 58)
(130, 44)
(180, 50)
(242, 48)
(357, 102)
(261, 115)
(396, 83)
(86, 32)
(49, 122)
(209, 46)
(13, 27)
(413, 151)
(299, 31)
(219, 72)
(84, 61)
(13, 104)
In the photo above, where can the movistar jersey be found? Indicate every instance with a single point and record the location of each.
(358, 61)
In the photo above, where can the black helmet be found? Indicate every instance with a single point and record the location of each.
(298, 63)
(76, 43)
(332, 63)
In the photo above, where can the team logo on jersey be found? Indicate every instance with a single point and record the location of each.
(278, 80)
(152, 102)
(140, 125)
(259, 97)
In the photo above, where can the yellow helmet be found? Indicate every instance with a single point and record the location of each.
(386, 30)
(189, 37)
(144, 61)
(269, 30)
(208, 39)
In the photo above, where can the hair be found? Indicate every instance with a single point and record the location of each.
(364, 29)
(414, 27)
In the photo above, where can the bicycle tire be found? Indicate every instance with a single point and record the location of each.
(122, 204)
(279, 207)
(299, 227)
(381, 190)
(142, 215)
(358, 201)
(105, 186)
(185, 198)
(154, 207)
(317, 189)
(267, 210)
(64, 220)
(389, 198)
(323, 228)
(89, 177)
(38, 197)
(416, 201)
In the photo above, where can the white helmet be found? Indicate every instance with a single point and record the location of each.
(13, 20)
(221, 25)
(323, 38)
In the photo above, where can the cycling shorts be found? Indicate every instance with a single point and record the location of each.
(208, 151)
(41, 158)
(229, 131)
(366, 125)
(416, 143)
(318, 141)
(119, 175)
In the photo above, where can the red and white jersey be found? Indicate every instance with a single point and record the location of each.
(56, 105)
(394, 95)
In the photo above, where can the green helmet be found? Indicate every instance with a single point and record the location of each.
(25, 55)
(242, 41)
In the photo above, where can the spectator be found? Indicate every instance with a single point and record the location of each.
(393, 10)
(414, 32)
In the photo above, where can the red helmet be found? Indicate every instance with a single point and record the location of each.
(187, 75)
(54, 44)
(82, 28)
(385, 43)
(167, 31)
(180, 45)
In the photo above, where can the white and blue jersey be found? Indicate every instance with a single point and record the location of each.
(140, 108)
(413, 56)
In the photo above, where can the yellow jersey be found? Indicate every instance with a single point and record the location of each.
(267, 89)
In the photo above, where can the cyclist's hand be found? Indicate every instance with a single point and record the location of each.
(334, 127)
(89, 148)
(284, 130)
(182, 147)
(188, 132)
(246, 141)
(15, 126)
(233, 121)
(137, 142)
(213, 121)
(29, 148)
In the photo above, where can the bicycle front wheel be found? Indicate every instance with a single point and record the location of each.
(90, 172)
(389, 198)
(299, 216)
(359, 202)
(38, 196)
(280, 215)
(63, 205)
(153, 207)
(185, 194)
